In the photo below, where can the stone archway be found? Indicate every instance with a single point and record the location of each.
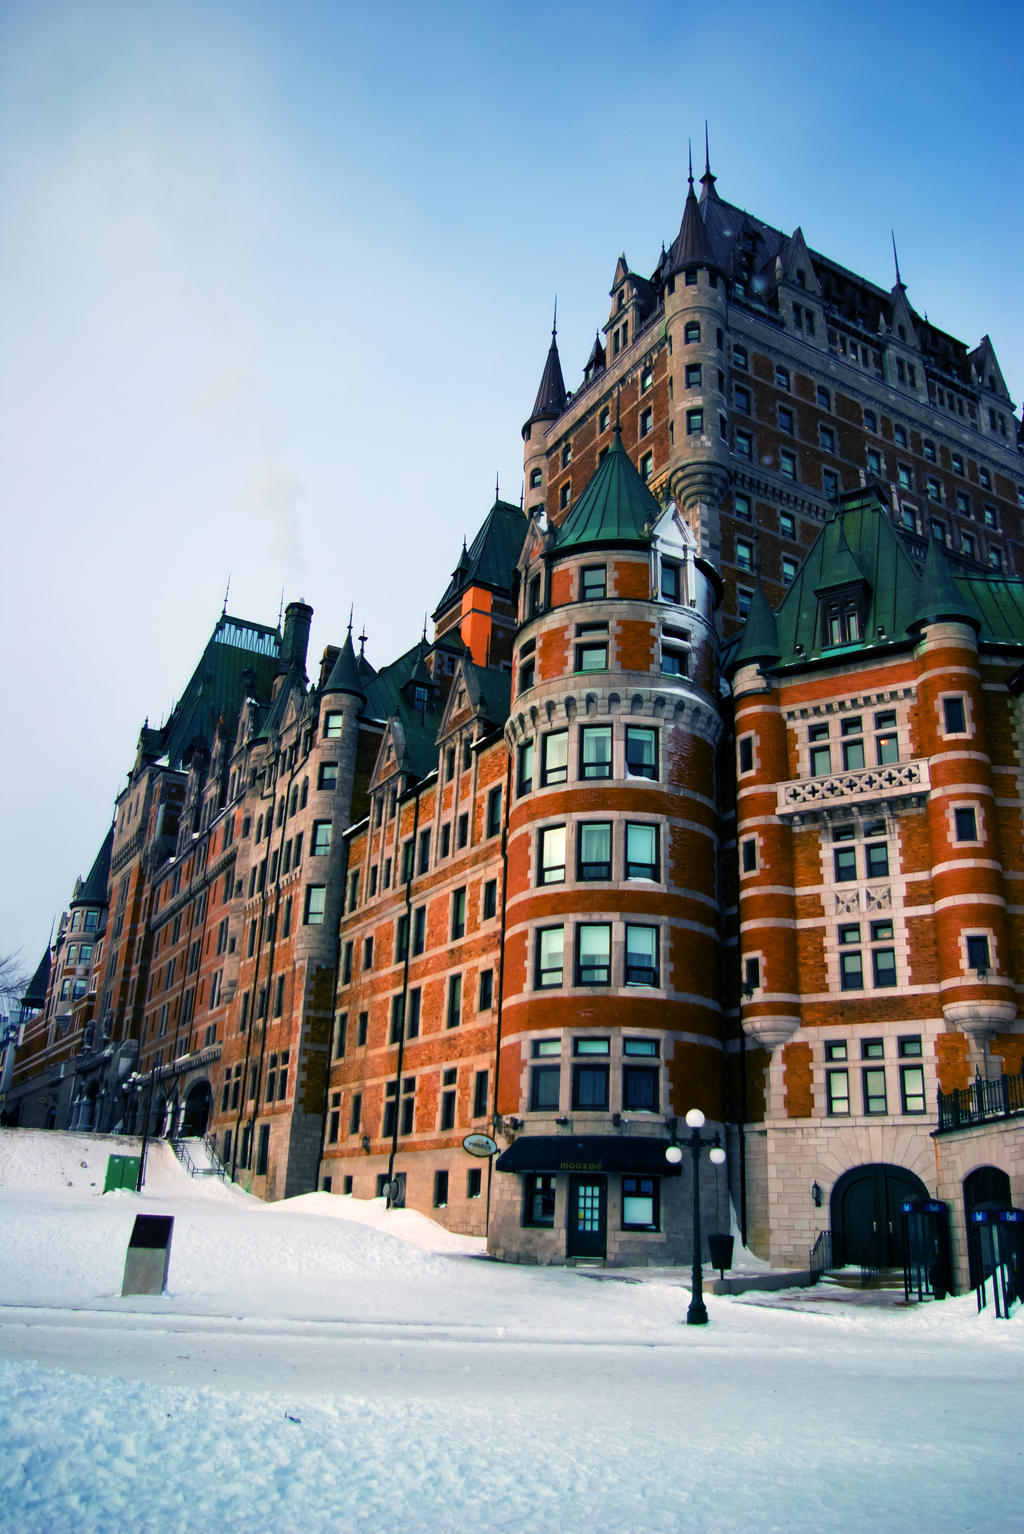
(865, 1214)
(198, 1107)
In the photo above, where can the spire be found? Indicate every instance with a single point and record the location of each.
(550, 401)
(759, 640)
(497, 487)
(939, 598)
(692, 246)
(896, 261)
(344, 675)
(707, 181)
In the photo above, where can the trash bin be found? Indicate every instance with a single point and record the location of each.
(149, 1255)
(720, 1252)
(122, 1172)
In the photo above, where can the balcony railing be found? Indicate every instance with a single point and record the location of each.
(982, 1102)
(861, 785)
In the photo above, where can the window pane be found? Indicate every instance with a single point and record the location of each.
(556, 756)
(640, 1089)
(597, 751)
(544, 1084)
(595, 850)
(641, 852)
(552, 855)
(594, 944)
(550, 948)
(641, 955)
(874, 1090)
(641, 752)
(590, 1087)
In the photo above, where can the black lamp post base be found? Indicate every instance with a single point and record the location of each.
(697, 1315)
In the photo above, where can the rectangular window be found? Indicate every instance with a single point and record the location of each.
(966, 822)
(787, 464)
(480, 1080)
(912, 1096)
(463, 828)
(551, 855)
(362, 1027)
(550, 957)
(397, 1018)
(355, 1113)
(873, 1077)
(641, 752)
(876, 860)
(327, 776)
(321, 843)
(789, 569)
(786, 421)
(744, 554)
(554, 757)
(640, 1089)
(782, 378)
(490, 901)
(412, 1027)
(593, 582)
(316, 898)
(741, 399)
(474, 1182)
(694, 422)
(440, 1190)
(827, 438)
(592, 656)
(596, 751)
(459, 913)
(820, 751)
(423, 853)
(340, 1034)
(454, 1001)
(740, 358)
(446, 839)
(837, 1093)
(851, 970)
(545, 1088)
(494, 812)
(743, 443)
(641, 851)
(748, 854)
(594, 850)
(332, 726)
(593, 953)
(486, 996)
(954, 716)
(640, 1203)
(539, 1199)
(590, 1087)
(524, 774)
(887, 746)
(641, 955)
(671, 586)
(977, 952)
(368, 952)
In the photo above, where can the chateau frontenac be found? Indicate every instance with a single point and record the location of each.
(705, 791)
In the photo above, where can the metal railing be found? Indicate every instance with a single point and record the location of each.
(214, 1168)
(982, 1102)
(821, 1255)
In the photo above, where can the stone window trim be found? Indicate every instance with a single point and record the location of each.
(955, 823)
(978, 944)
(946, 709)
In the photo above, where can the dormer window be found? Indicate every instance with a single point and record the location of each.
(533, 597)
(841, 618)
(420, 698)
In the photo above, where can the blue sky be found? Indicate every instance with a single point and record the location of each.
(276, 288)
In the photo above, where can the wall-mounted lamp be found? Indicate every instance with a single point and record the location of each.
(816, 1195)
(365, 1142)
(514, 1123)
(617, 1120)
(562, 1121)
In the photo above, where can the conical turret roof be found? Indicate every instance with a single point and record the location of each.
(939, 597)
(759, 640)
(692, 246)
(344, 675)
(94, 889)
(616, 507)
(550, 401)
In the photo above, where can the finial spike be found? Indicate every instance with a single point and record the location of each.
(497, 486)
(554, 319)
(351, 614)
(424, 628)
(707, 152)
(689, 150)
(896, 259)
(227, 588)
(362, 642)
(280, 610)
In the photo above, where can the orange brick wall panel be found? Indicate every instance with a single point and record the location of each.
(797, 1075)
(634, 645)
(953, 1068)
(510, 1079)
(630, 578)
(563, 579)
(749, 1071)
(810, 945)
(515, 963)
(1009, 1047)
(552, 654)
(695, 1081)
(689, 761)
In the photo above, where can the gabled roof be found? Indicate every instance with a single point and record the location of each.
(488, 695)
(277, 715)
(93, 890)
(616, 506)
(491, 558)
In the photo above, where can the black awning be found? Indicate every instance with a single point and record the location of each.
(587, 1153)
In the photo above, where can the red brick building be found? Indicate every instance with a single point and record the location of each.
(706, 791)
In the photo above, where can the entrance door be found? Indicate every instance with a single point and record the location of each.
(987, 1187)
(867, 1227)
(587, 1224)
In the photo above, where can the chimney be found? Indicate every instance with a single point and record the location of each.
(298, 616)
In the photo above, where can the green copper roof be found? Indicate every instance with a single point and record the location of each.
(615, 508)
(35, 991)
(94, 889)
(759, 639)
(859, 551)
(939, 597)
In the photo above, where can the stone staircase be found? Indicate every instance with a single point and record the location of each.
(854, 1277)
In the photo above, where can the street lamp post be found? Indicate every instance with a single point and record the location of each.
(136, 1084)
(697, 1314)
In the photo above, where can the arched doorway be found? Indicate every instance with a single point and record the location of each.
(198, 1106)
(865, 1211)
(987, 1187)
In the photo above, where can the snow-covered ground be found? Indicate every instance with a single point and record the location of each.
(325, 1364)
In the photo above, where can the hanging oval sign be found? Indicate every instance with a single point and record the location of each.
(479, 1145)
